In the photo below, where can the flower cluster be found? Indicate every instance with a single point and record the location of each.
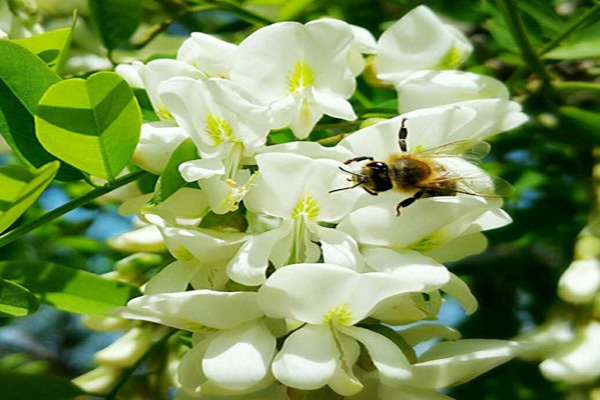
(285, 282)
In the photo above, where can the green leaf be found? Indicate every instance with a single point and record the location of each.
(19, 189)
(16, 386)
(170, 180)
(115, 20)
(69, 289)
(92, 124)
(16, 301)
(588, 121)
(572, 51)
(52, 47)
(24, 78)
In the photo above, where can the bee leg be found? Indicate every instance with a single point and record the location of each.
(407, 202)
(357, 159)
(402, 134)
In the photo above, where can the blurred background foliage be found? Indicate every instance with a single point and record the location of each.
(549, 160)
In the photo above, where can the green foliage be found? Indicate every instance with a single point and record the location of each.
(24, 78)
(16, 301)
(170, 180)
(115, 20)
(67, 288)
(19, 189)
(52, 47)
(40, 387)
(92, 124)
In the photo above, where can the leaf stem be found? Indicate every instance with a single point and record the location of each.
(160, 27)
(512, 17)
(128, 372)
(243, 13)
(573, 86)
(587, 16)
(71, 205)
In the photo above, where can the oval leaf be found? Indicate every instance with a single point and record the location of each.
(14, 385)
(170, 180)
(16, 301)
(24, 78)
(92, 124)
(115, 20)
(19, 189)
(51, 46)
(67, 288)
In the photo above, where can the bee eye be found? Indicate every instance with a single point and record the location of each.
(378, 167)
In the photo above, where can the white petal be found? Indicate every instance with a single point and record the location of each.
(408, 265)
(158, 141)
(175, 277)
(193, 309)
(333, 105)
(194, 170)
(209, 54)
(339, 248)
(128, 349)
(580, 283)
(286, 182)
(189, 372)
(388, 358)
(450, 363)
(461, 292)
(309, 149)
(240, 358)
(204, 244)
(316, 292)
(250, 264)
(307, 359)
(424, 89)
(419, 40)
(377, 141)
(424, 332)
(580, 361)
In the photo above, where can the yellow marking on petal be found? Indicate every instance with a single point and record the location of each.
(451, 60)
(182, 254)
(307, 206)
(340, 314)
(300, 77)
(429, 242)
(164, 114)
(218, 129)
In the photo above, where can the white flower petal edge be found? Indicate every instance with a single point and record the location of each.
(419, 40)
(193, 309)
(240, 358)
(450, 363)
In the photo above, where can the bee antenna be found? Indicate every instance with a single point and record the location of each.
(346, 188)
(402, 134)
(352, 173)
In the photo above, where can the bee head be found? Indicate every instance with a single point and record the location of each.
(375, 177)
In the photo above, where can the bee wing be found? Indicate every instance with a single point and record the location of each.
(477, 185)
(470, 150)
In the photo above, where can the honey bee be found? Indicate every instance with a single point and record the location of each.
(424, 174)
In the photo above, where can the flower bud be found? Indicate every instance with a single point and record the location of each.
(580, 282)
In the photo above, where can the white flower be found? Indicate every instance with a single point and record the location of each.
(294, 189)
(149, 76)
(579, 361)
(212, 56)
(580, 283)
(300, 71)
(330, 299)
(226, 125)
(443, 228)
(419, 41)
(432, 127)
(424, 89)
(158, 141)
(363, 43)
(237, 357)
